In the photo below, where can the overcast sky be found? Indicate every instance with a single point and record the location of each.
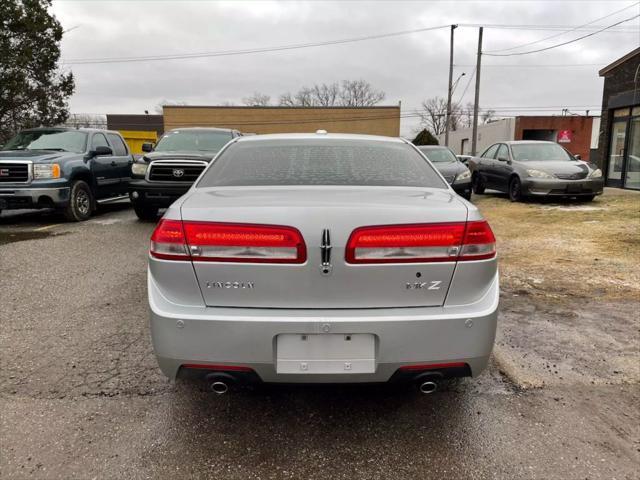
(408, 68)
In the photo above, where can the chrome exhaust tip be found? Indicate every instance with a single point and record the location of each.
(428, 387)
(219, 388)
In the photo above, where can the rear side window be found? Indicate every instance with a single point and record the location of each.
(321, 162)
(490, 152)
(119, 147)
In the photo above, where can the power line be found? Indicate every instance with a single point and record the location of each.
(224, 53)
(563, 33)
(531, 65)
(563, 43)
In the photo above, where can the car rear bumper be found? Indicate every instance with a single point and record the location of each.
(563, 188)
(188, 335)
(156, 194)
(12, 198)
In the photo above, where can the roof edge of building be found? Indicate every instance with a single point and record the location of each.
(603, 71)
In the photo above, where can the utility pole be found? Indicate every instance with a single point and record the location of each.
(449, 93)
(474, 140)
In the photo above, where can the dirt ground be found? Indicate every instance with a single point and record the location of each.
(570, 282)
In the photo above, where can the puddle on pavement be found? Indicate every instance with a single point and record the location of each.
(12, 237)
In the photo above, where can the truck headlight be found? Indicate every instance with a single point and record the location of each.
(597, 173)
(51, 170)
(463, 176)
(139, 169)
(539, 174)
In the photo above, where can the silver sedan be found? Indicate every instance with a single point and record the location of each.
(315, 258)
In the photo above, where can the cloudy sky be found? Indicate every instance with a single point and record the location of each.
(409, 68)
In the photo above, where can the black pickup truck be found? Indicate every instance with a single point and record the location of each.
(71, 170)
(166, 172)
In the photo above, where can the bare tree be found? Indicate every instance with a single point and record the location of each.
(86, 120)
(257, 100)
(488, 116)
(359, 93)
(433, 114)
(348, 93)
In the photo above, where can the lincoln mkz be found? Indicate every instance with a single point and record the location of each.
(317, 258)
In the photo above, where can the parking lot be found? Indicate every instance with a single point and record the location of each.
(82, 396)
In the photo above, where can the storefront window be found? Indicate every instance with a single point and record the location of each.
(621, 112)
(616, 154)
(632, 179)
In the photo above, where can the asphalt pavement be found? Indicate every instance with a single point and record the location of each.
(81, 395)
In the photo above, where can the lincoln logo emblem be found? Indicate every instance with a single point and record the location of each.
(325, 251)
(178, 172)
(4, 172)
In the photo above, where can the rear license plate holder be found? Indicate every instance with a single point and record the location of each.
(325, 353)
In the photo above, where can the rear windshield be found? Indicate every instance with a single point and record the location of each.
(193, 140)
(439, 155)
(321, 162)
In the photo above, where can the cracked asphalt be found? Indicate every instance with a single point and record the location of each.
(81, 395)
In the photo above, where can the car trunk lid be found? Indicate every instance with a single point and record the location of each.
(324, 217)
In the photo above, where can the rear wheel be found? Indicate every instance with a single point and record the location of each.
(515, 190)
(80, 202)
(477, 184)
(145, 212)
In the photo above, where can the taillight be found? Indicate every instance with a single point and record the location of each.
(438, 242)
(168, 241)
(479, 242)
(234, 242)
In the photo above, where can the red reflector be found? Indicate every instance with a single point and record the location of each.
(433, 366)
(219, 368)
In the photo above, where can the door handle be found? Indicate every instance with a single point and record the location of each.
(113, 163)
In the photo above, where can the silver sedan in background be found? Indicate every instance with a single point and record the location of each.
(315, 258)
(525, 168)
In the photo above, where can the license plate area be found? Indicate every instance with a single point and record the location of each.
(325, 353)
(574, 188)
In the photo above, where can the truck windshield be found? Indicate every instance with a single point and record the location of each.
(321, 162)
(193, 140)
(65, 141)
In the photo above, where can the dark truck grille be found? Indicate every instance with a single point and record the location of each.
(14, 172)
(175, 172)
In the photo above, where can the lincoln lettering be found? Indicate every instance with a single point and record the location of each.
(234, 285)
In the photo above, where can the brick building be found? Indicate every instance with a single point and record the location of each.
(383, 120)
(619, 146)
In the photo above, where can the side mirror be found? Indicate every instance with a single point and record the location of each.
(577, 156)
(503, 159)
(147, 147)
(100, 150)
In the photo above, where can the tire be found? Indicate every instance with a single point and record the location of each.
(515, 190)
(587, 198)
(466, 195)
(477, 184)
(80, 202)
(145, 212)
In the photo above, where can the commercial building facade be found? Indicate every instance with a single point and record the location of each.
(619, 149)
(577, 133)
(384, 120)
